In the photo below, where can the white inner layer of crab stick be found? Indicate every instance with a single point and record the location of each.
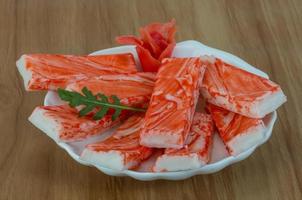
(132, 89)
(197, 150)
(49, 72)
(122, 150)
(172, 105)
(239, 91)
(62, 123)
(238, 132)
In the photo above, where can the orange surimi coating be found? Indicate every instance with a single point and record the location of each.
(196, 151)
(46, 71)
(62, 123)
(122, 145)
(236, 131)
(132, 89)
(132, 125)
(202, 127)
(239, 91)
(172, 105)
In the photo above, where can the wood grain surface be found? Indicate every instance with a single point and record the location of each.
(266, 33)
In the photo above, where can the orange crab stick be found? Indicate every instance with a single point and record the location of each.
(238, 132)
(49, 72)
(122, 150)
(62, 123)
(239, 91)
(132, 89)
(197, 150)
(172, 105)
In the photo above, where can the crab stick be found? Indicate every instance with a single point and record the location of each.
(122, 150)
(62, 123)
(172, 105)
(49, 72)
(239, 91)
(132, 89)
(238, 132)
(197, 150)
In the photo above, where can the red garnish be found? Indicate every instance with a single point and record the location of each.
(155, 43)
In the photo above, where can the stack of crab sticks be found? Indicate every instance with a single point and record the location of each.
(153, 108)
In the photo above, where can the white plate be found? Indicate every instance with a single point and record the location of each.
(220, 158)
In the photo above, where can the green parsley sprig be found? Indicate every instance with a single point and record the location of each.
(91, 101)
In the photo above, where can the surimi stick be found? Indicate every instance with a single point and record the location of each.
(49, 72)
(172, 105)
(197, 150)
(239, 91)
(238, 132)
(62, 123)
(132, 89)
(122, 150)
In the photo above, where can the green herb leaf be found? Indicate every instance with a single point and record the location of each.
(86, 110)
(101, 113)
(118, 111)
(88, 93)
(91, 101)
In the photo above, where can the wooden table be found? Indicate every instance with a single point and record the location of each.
(265, 33)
